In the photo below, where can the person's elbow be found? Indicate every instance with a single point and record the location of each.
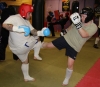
(85, 35)
(4, 25)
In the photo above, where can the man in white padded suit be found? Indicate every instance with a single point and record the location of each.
(20, 40)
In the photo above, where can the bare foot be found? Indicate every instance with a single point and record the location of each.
(43, 44)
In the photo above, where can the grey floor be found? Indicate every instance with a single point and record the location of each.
(49, 72)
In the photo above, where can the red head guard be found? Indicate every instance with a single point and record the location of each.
(24, 9)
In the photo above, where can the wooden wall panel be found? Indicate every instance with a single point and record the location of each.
(17, 2)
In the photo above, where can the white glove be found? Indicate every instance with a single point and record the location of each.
(16, 29)
(44, 32)
(61, 34)
(75, 17)
(22, 29)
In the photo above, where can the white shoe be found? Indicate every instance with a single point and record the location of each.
(65, 82)
(37, 58)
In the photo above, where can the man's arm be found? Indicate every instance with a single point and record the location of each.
(7, 26)
(34, 32)
(43, 32)
(83, 33)
(68, 28)
(18, 29)
(77, 22)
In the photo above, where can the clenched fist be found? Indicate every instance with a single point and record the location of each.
(75, 17)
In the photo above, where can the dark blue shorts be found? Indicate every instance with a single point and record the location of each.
(60, 43)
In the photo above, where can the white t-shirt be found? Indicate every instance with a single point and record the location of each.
(16, 40)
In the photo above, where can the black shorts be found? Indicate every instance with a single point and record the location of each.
(60, 43)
